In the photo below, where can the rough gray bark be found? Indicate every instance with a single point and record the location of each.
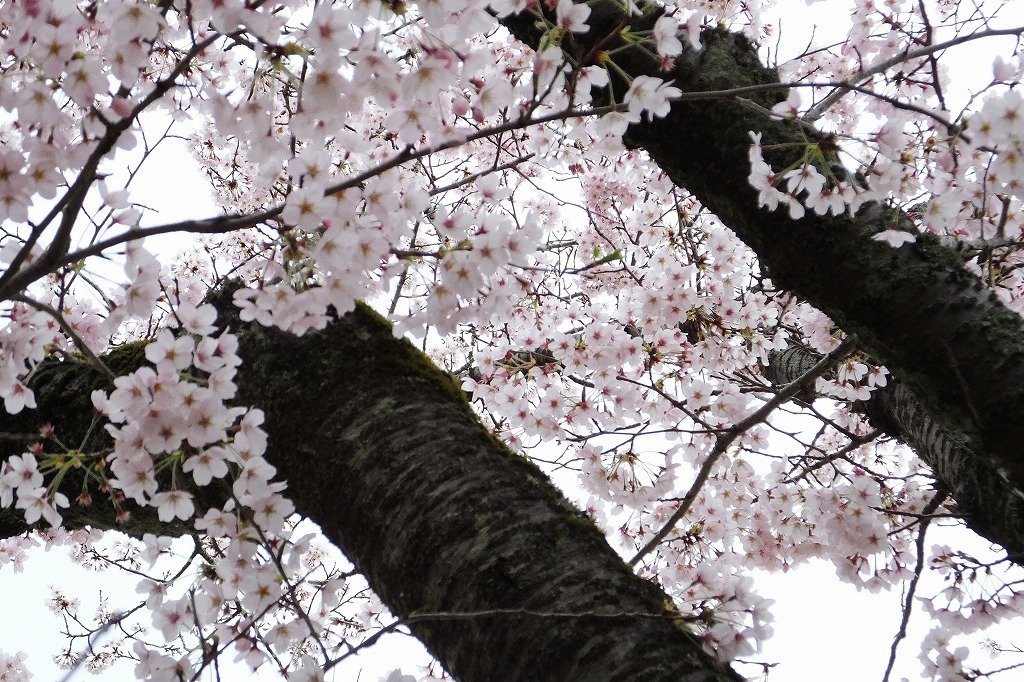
(988, 503)
(915, 308)
(383, 451)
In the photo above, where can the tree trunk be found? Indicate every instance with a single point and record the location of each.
(382, 450)
(933, 324)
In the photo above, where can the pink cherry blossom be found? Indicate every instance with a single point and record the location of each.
(170, 354)
(895, 238)
(572, 16)
(649, 94)
(666, 37)
(207, 465)
(173, 504)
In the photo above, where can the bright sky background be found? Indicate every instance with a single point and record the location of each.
(823, 628)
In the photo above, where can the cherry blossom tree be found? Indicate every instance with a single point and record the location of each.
(465, 247)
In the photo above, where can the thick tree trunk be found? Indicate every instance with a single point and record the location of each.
(383, 451)
(929, 321)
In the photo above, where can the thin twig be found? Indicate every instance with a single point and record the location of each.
(908, 600)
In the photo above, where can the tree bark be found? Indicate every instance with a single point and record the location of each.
(933, 324)
(382, 450)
